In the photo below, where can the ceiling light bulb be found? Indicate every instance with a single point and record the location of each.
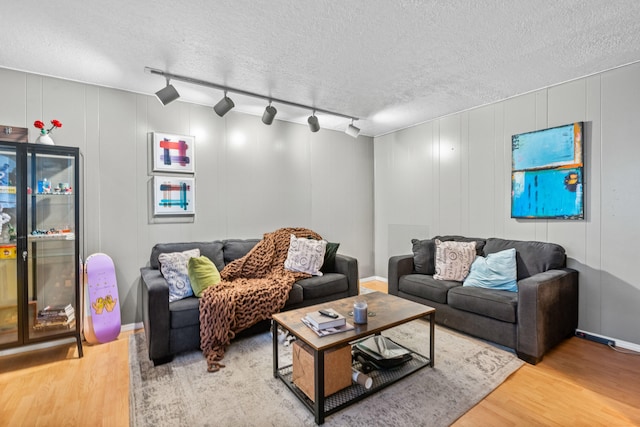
(224, 105)
(269, 114)
(314, 126)
(352, 130)
(167, 94)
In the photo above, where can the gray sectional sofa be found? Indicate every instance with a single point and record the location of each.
(171, 328)
(531, 321)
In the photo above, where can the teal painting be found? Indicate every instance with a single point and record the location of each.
(547, 173)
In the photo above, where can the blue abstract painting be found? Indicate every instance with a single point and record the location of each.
(547, 173)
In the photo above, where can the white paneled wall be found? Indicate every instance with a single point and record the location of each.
(464, 188)
(250, 178)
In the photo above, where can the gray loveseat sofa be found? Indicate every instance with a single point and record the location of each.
(531, 321)
(171, 328)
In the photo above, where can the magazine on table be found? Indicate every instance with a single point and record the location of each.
(328, 331)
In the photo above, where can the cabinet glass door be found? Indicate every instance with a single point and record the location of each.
(8, 254)
(51, 242)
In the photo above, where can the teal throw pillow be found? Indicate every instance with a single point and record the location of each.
(497, 271)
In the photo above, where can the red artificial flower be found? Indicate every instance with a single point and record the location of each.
(43, 131)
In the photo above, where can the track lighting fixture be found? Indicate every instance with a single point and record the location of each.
(352, 131)
(269, 114)
(167, 94)
(224, 105)
(314, 126)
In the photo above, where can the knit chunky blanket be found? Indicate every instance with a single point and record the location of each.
(252, 289)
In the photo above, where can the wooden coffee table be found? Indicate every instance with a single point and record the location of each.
(389, 311)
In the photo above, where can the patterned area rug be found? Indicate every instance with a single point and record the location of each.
(245, 393)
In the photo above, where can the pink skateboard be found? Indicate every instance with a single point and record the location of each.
(102, 289)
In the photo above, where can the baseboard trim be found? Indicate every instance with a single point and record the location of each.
(373, 279)
(619, 343)
(132, 327)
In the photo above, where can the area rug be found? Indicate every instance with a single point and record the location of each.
(245, 393)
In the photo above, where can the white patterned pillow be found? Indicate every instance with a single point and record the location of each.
(305, 255)
(174, 268)
(453, 260)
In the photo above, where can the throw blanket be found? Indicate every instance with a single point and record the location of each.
(252, 289)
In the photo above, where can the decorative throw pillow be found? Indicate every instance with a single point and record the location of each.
(424, 252)
(305, 255)
(202, 274)
(174, 268)
(497, 271)
(330, 251)
(453, 260)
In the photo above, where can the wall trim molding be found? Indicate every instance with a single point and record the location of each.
(619, 343)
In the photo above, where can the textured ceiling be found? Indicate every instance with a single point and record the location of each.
(392, 63)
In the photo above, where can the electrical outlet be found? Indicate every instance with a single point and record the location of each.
(594, 338)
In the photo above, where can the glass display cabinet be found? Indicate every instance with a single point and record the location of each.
(39, 245)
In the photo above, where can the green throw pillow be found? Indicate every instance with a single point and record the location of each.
(202, 274)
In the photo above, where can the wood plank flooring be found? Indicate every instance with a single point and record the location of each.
(579, 383)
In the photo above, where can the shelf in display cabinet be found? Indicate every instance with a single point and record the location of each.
(51, 237)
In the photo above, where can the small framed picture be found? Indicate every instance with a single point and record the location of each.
(173, 153)
(174, 195)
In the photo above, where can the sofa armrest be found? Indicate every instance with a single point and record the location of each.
(155, 313)
(399, 265)
(547, 311)
(349, 267)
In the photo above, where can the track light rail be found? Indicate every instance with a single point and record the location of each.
(204, 83)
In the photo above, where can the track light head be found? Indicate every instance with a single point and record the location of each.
(352, 131)
(167, 94)
(224, 105)
(314, 126)
(269, 114)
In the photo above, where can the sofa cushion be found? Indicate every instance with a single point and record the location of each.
(453, 259)
(425, 286)
(424, 256)
(174, 268)
(237, 248)
(184, 312)
(501, 305)
(305, 255)
(531, 257)
(321, 286)
(480, 242)
(496, 271)
(212, 250)
(202, 274)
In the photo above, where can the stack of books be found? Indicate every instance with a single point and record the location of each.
(325, 325)
(56, 317)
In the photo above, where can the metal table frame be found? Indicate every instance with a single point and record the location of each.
(322, 406)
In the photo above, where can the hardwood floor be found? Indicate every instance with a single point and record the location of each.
(578, 383)
(52, 387)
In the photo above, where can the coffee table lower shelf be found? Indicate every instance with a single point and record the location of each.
(355, 392)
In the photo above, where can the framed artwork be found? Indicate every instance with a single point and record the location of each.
(173, 153)
(173, 195)
(547, 173)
